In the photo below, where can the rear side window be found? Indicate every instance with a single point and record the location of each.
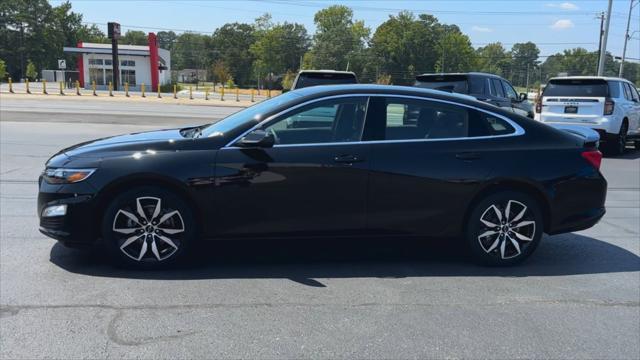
(577, 87)
(614, 89)
(496, 88)
(408, 119)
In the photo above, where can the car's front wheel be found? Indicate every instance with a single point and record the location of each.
(148, 227)
(504, 228)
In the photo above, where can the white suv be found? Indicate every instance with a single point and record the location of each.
(611, 106)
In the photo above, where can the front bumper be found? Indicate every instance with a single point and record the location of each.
(79, 225)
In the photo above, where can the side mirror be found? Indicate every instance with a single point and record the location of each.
(257, 138)
(523, 96)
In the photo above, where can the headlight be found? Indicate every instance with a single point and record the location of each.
(66, 176)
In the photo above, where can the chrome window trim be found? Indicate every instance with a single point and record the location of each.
(518, 130)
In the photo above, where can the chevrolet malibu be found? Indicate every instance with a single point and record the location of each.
(345, 160)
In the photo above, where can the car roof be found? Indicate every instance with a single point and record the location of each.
(328, 90)
(325, 72)
(467, 73)
(606, 78)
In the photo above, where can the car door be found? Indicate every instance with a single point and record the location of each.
(517, 105)
(311, 182)
(632, 108)
(424, 170)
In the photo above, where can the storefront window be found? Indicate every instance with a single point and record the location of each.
(128, 76)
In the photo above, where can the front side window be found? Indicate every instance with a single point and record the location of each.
(334, 120)
(509, 91)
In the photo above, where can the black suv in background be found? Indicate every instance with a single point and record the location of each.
(485, 87)
(308, 78)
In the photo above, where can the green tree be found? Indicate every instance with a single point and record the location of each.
(190, 51)
(221, 72)
(287, 80)
(455, 53)
(280, 48)
(524, 62)
(31, 72)
(230, 43)
(33, 29)
(405, 43)
(134, 37)
(339, 41)
(166, 39)
(494, 59)
(3, 69)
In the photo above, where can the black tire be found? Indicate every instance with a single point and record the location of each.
(498, 248)
(157, 245)
(619, 143)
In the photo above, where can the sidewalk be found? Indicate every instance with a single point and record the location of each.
(182, 97)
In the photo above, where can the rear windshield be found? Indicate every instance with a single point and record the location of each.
(313, 79)
(577, 87)
(449, 83)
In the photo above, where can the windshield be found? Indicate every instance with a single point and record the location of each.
(453, 84)
(313, 79)
(577, 87)
(243, 116)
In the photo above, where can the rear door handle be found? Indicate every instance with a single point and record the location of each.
(468, 156)
(348, 159)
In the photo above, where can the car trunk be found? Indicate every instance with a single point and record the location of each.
(574, 100)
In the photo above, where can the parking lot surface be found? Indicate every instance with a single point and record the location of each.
(577, 297)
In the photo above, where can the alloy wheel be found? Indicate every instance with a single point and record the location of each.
(147, 231)
(506, 229)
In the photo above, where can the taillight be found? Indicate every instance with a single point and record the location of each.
(608, 106)
(538, 106)
(594, 157)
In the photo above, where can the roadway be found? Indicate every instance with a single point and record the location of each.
(577, 297)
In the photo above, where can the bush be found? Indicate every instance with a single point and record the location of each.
(168, 88)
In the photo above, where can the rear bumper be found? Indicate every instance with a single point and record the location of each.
(602, 124)
(578, 203)
(580, 222)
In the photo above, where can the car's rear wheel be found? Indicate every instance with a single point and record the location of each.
(504, 228)
(619, 144)
(148, 227)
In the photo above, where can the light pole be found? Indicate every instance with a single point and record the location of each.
(603, 50)
(626, 38)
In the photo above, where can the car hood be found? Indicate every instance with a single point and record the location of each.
(161, 139)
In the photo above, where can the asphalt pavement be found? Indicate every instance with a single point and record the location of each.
(577, 297)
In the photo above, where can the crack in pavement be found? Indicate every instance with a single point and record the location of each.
(9, 310)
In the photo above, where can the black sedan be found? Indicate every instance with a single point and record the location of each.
(346, 160)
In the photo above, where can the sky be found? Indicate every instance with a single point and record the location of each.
(553, 25)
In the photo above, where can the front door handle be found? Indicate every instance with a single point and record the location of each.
(348, 159)
(468, 156)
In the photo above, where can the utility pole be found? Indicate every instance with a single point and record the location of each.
(601, 31)
(113, 30)
(603, 50)
(527, 77)
(626, 38)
